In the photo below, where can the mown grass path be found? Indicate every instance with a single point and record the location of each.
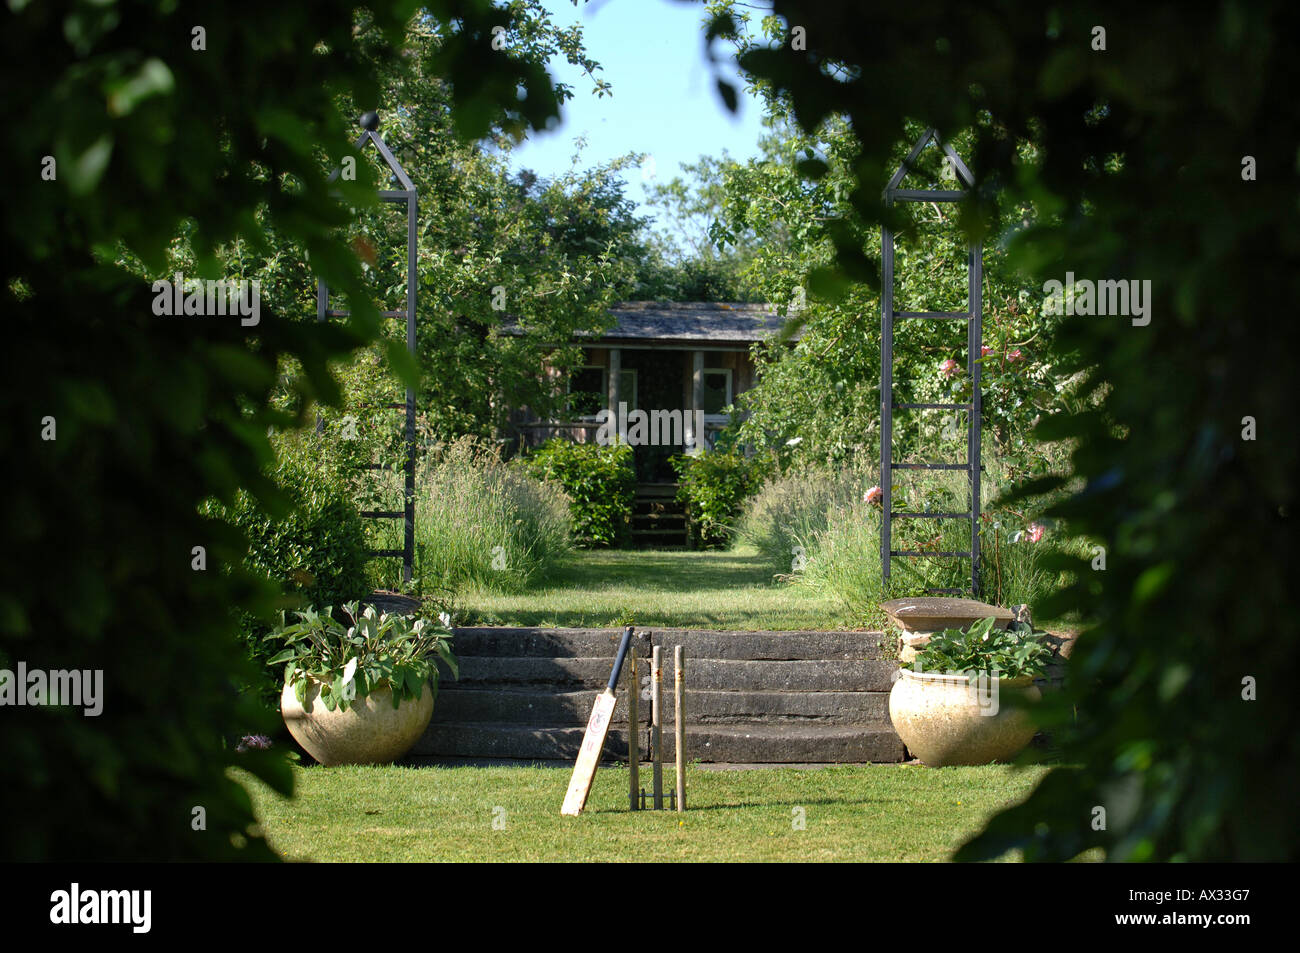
(703, 590)
(848, 813)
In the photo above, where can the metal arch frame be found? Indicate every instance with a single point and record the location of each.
(973, 315)
(406, 194)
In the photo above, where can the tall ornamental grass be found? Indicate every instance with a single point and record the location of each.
(821, 529)
(483, 522)
(784, 518)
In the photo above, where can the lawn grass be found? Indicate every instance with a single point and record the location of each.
(705, 590)
(850, 812)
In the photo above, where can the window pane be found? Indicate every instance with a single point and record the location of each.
(587, 391)
(627, 388)
(716, 389)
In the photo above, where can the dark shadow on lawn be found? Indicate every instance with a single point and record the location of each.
(735, 805)
(663, 572)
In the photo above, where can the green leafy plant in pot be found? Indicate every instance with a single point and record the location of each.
(360, 689)
(950, 704)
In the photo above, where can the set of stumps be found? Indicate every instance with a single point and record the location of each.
(593, 742)
(636, 795)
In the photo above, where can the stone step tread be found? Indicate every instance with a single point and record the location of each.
(543, 707)
(787, 743)
(503, 740)
(756, 744)
(855, 675)
(697, 643)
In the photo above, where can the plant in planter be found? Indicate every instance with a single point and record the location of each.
(360, 692)
(948, 704)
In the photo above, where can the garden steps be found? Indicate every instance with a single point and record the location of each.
(658, 520)
(752, 697)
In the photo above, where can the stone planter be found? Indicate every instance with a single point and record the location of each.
(371, 731)
(947, 720)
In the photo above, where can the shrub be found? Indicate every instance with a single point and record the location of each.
(317, 550)
(314, 552)
(714, 486)
(600, 482)
(481, 521)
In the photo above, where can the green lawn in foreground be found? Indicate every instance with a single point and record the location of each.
(705, 590)
(851, 813)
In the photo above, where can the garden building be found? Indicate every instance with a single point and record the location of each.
(663, 376)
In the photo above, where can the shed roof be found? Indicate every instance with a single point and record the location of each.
(716, 323)
(692, 321)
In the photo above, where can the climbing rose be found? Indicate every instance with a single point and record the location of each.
(949, 367)
(872, 495)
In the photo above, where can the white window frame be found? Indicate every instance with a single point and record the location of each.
(720, 418)
(629, 399)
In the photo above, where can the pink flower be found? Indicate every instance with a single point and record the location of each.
(1035, 532)
(1014, 355)
(949, 368)
(985, 350)
(872, 495)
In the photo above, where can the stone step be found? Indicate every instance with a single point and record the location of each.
(775, 646)
(519, 641)
(551, 708)
(765, 744)
(783, 744)
(805, 675)
(698, 643)
(520, 742)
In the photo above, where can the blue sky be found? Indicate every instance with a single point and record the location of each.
(665, 102)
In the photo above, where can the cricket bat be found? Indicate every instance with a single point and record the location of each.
(584, 770)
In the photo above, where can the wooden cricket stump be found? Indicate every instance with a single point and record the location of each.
(679, 698)
(634, 727)
(656, 726)
(677, 795)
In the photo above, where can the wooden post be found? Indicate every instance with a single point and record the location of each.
(633, 729)
(656, 723)
(679, 686)
(696, 440)
(614, 372)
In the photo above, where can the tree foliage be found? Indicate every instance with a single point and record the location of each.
(1173, 719)
(784, 212)
(154, 138)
